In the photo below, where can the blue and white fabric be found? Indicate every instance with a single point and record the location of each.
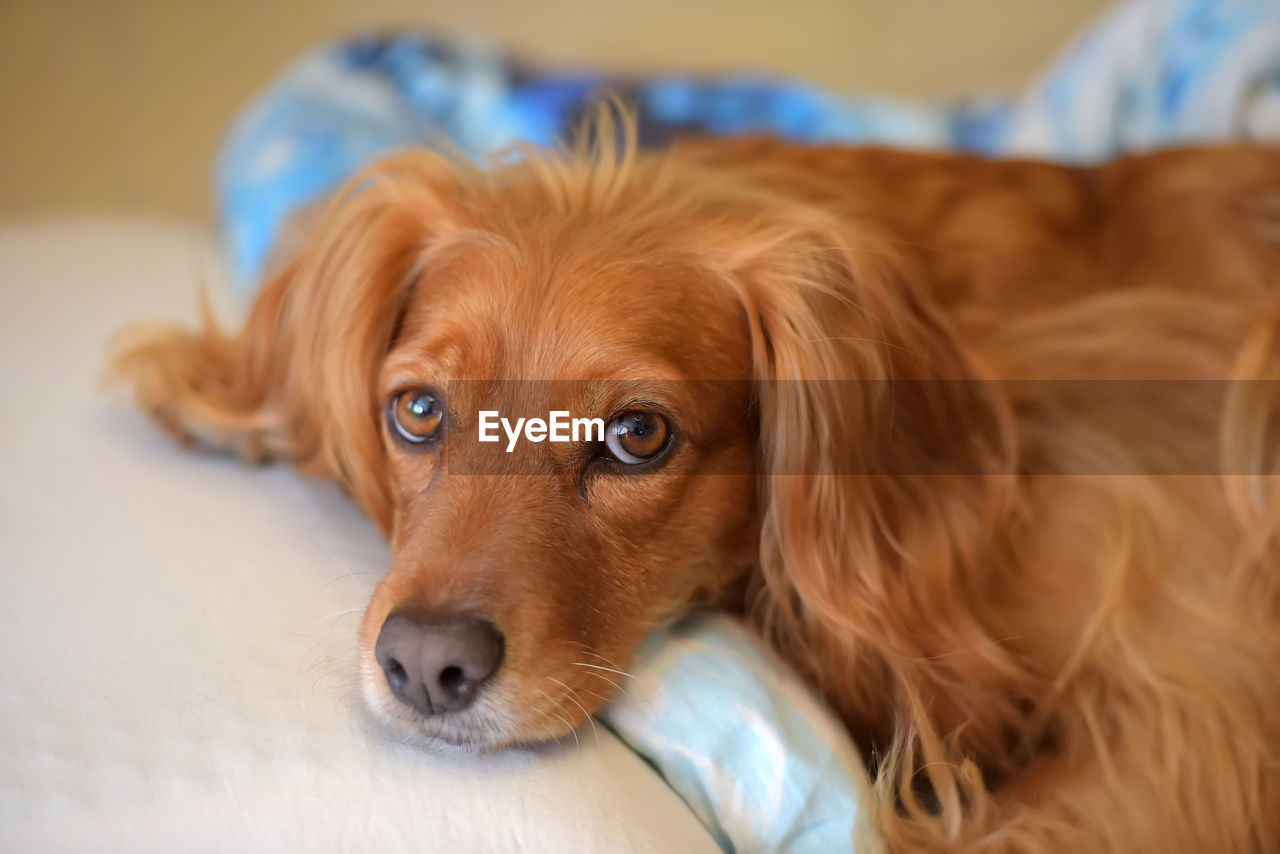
(1150, 73)
(763, 764)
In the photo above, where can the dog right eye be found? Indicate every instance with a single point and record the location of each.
(415, 415)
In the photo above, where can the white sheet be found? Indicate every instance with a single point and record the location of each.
(177, 632)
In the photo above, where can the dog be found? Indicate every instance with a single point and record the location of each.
(983, 448)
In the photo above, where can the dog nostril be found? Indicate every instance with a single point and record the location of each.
(396, 673)
(453, 680)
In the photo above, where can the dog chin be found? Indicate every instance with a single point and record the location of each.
(468, 733)
(439, 740)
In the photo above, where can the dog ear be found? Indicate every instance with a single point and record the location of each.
(298, 382)
(887, 460)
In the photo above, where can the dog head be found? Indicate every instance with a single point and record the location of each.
(732, 343)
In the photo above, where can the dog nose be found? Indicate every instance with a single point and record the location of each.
(439, 666)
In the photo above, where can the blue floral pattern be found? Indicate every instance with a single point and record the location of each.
(1151, 73)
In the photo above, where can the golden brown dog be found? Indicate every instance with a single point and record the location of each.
(985, 449)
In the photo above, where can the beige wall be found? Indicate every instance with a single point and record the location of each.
(119, 104)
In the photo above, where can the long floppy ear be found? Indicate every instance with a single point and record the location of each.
(887, 461)
(298, 381)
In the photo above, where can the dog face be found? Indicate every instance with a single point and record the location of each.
(522, 581)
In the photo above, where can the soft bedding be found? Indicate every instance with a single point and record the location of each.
(178, 632)
(760, 763)
(1150, 73)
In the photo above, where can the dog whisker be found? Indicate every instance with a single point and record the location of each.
(573, 699)
(338, 614)
(591, 693)
(599, 675)
(577, 744)
(350, 573)
(610, 669)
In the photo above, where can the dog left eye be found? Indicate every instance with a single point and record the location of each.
(415, 415)
(637, 437)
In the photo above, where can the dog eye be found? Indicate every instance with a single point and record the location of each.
(636, 437)
(415, 415)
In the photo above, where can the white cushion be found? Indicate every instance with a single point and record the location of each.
(177, 632)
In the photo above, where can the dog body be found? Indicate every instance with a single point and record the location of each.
(937, 424)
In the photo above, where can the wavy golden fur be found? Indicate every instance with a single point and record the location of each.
(1045, 627)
